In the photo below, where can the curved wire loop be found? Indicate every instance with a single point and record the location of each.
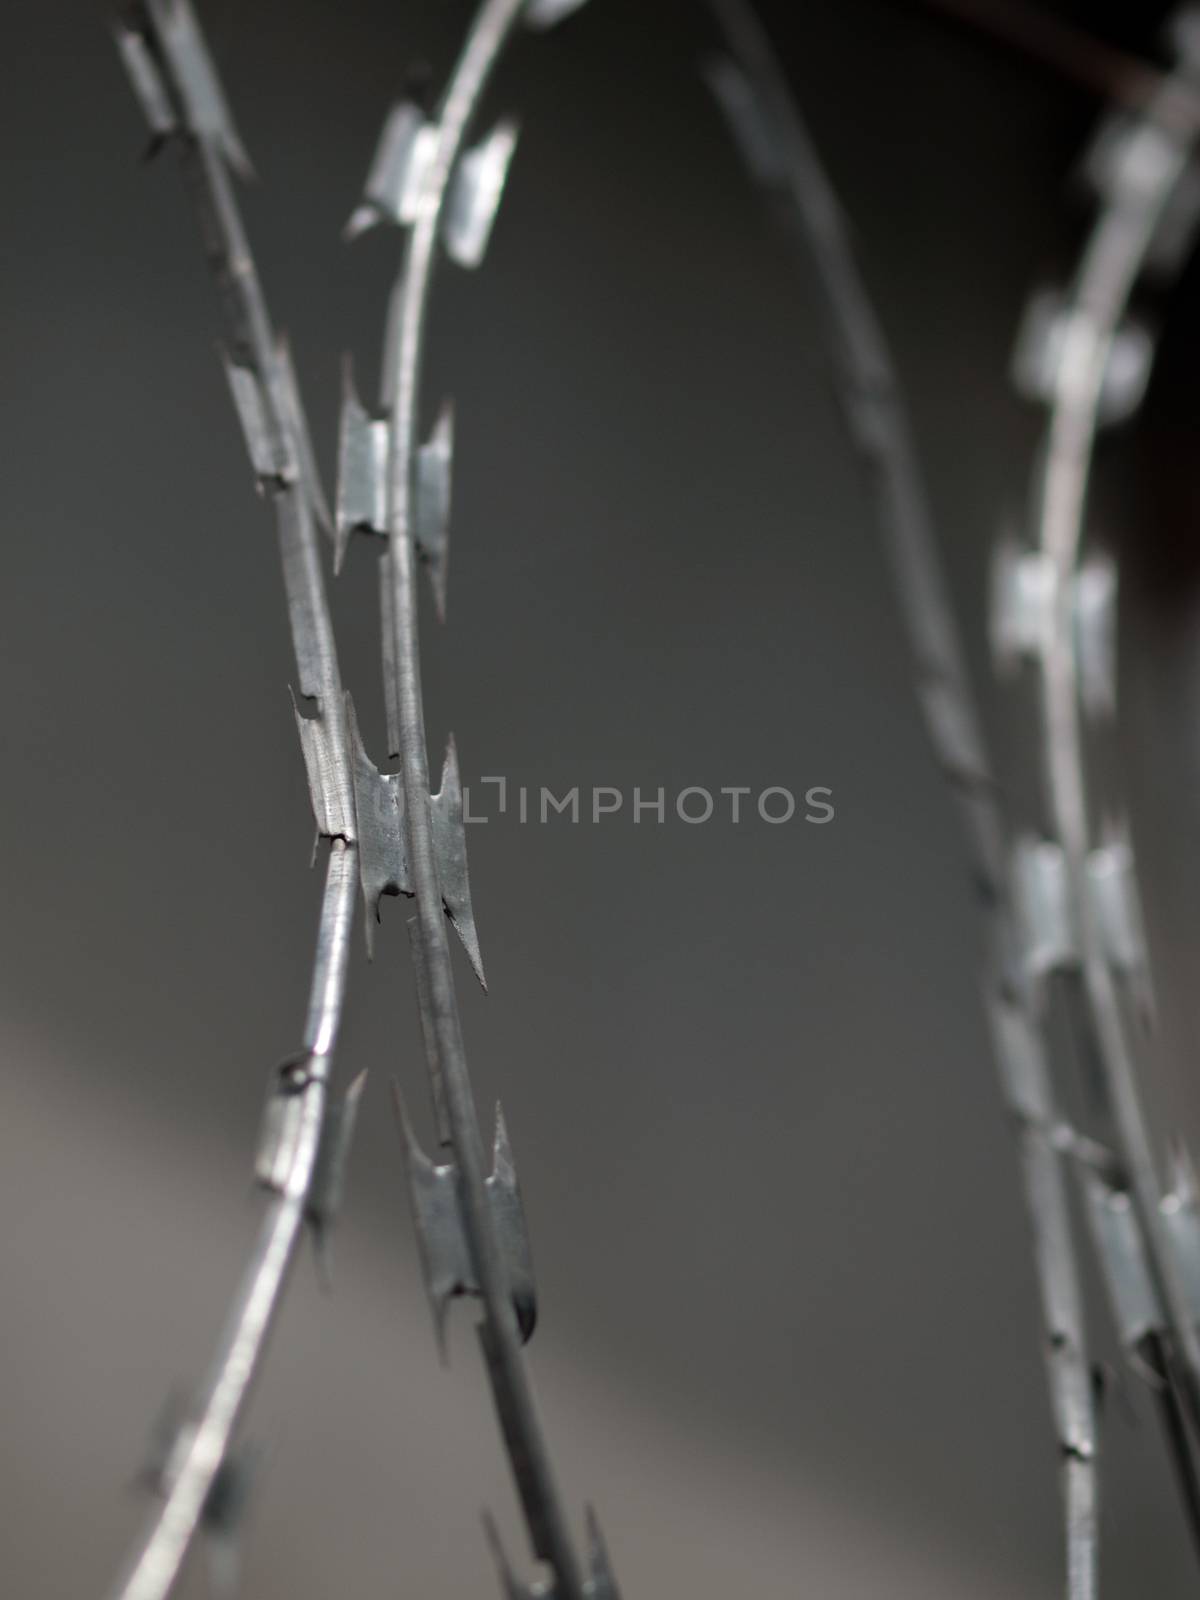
(198, 1481)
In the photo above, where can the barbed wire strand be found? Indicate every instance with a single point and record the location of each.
(471, 1226)
(1090, 363)
(415, 845)
(754, 93)
(305, 1135)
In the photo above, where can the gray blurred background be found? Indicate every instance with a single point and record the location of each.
(788, 1341)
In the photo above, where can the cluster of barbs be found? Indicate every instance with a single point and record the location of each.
(1059, 905)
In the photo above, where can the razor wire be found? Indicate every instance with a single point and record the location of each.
(1152, 203)
(197, 1479)
(1087, 359)
(1060, 907)
(471, 1224)
(765, 120)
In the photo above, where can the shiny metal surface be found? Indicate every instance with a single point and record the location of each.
(1081, 355)
(471, 1227)
(1071, 902)
(304, 1141)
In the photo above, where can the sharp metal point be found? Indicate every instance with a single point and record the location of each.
(602, 1584)
(446, 1256)
(175, 81)
(509, 1210)
(147, 83)
(328, 1181)
(397, 168)
(1087, 361)
(450, 842)
(508, 1579)
(439, 1236)
(1120, 1247)
(379, 828)
(361, 490)
(382, 832)
(473, 200)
